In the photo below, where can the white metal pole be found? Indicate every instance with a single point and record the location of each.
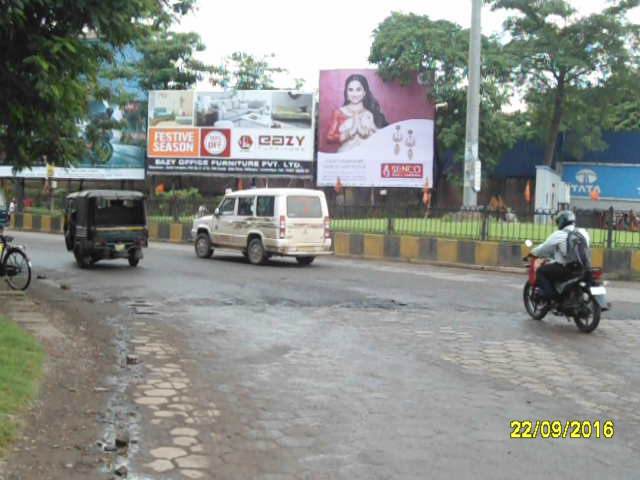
(470, 197)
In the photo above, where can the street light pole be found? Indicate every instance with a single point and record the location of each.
(470, 197)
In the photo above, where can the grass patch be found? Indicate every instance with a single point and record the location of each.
(21, 358)
(43, 211)
(185, 219)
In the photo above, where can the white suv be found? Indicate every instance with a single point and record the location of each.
(265, 222)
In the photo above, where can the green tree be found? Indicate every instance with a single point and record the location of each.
(405, 44)
(50, 56)
(562, 56)
(612, 106)
(623, 113)
(243, 71)
(166, 61)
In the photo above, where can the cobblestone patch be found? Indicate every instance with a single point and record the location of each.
(547, 367)
(164, 392)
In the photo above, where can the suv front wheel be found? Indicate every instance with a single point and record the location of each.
(256, 253)
(203, 246)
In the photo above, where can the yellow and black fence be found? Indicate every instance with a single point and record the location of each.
(170, 232)
(620, 263)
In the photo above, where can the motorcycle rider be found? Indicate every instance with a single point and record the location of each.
(560, 268)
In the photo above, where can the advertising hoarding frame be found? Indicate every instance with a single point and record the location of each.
(115, 156)
(379, 137)
(241, 116)
(590, 166)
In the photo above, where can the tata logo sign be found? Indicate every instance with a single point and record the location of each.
(586, 182)
(586, 176)
(280, 141)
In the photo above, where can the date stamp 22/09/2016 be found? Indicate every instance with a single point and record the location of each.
(529, 429)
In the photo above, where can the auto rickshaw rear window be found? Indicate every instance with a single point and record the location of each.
(119, 212)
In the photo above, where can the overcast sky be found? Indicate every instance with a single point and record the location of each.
(308, 36)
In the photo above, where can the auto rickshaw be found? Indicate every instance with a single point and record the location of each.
(104, 225)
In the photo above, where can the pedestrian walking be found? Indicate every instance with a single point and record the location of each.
(12, 208)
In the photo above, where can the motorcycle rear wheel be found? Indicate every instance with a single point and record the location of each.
(536, 310)
(590, 323)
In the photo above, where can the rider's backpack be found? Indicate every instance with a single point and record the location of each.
(578, 251)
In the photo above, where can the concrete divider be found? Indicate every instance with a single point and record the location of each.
(486, 253)
(409, 247)
(153, 231)
(616, 263)
(45, 223)
(175, 233)
(373, 246)
(172, 232)
(446, 250)
(342, 245)
(356, 244)
(635, 261)
(619, 263)
(27, 221)
(428, 249)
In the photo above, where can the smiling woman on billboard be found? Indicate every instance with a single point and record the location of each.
(359, 117)
(374, 133)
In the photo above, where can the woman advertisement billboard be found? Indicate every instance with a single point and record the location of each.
(373, 133)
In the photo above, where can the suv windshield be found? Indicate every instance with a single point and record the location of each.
(304, 207)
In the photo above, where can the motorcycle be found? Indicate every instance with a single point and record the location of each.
(582, 298)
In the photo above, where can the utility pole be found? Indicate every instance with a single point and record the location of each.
(471, 171)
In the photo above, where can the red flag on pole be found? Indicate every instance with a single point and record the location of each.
(426, 194)
(426, 198)
(338, 187)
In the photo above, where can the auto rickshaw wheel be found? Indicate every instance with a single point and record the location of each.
(68, 240)
(83, 261)
(134, 260)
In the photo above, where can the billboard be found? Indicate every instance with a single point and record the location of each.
(237, 132)
(374, 133)
(118, 154)
(613, 181)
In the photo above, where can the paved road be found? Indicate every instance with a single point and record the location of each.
(352, 369)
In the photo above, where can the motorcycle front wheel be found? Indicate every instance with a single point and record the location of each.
(536, 309)
(588, 318)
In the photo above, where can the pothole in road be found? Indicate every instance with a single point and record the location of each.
(381, 304)
(373, 303)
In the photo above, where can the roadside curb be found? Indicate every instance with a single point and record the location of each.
(621, 264)
(435, 263)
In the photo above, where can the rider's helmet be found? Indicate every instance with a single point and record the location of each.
(564, 218)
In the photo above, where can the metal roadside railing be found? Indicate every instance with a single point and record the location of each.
(159, 210)
(608, 228)
(176, 210)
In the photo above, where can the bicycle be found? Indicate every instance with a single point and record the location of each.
(15, 265)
